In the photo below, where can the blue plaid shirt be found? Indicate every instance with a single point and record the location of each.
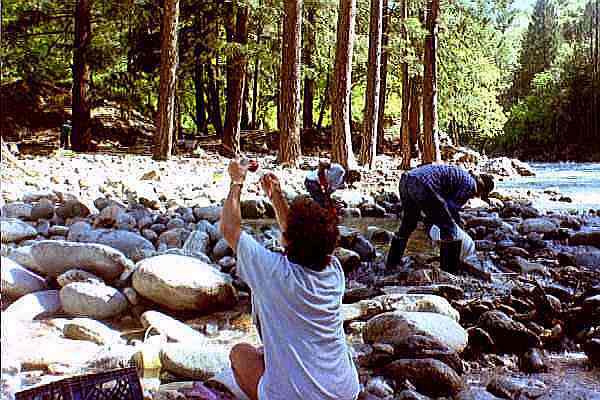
(454, 184)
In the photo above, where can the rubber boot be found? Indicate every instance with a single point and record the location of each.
(450, 255)
(396, 252)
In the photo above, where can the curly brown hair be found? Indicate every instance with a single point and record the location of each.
(312, 234)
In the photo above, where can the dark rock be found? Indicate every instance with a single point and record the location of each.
(357, 294)
(372, 211)
(351, 213)
(475, 393)
(72, 209)
(565, 199)
(424, 346)
(510, 336)
(566, 259)
(411, 395)
(485, 245)
(379, 235)
(592, 350)
(430, 376)
(349, 259)
(221, 250)
(150, 235)
(364, 248)
(488, 222)
(43, 210)
(539, 225)
(517, 251)
(479, 342)
(158, 228)
(532, 361)
(591, 238)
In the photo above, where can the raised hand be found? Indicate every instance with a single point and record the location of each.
(237, 171)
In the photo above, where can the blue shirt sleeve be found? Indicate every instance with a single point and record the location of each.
(256, 265)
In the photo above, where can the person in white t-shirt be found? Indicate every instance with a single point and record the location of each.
(297, 296)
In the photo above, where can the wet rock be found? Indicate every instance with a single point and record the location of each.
(391, 327)
(199, 362)
(198, 242)
(17, 210)
(538, 225)
(349, 259)
(72, 209)
(15, 230)
(43, 210)
(183, 283)
(591, 238)
(77, 275)
(221, 250)
(170, 327)
(507, 387)
(92, 300)
(430, 376)
(132, 245)
(18, 281)
(510, 336)
(90, 330)
(532, 361)
(53, 257)
(35, 305)
(211, 213)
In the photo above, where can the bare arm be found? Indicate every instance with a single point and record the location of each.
(272, 188)
(231, 219)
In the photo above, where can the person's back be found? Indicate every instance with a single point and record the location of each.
(450, 181)
(306, 355)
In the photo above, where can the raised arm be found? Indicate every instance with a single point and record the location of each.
(272, 188)
(231, 219)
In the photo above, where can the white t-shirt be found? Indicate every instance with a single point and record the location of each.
(306, 355)
(334, 176)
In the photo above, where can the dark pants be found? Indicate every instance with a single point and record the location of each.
(64, 138)
(416, 198)
(314, 188)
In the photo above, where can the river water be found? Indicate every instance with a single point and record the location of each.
(578, 181)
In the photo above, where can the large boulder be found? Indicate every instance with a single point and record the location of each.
(54, 257)
(430, 376)
(92, 300)
(199, 362)
(15, 230)
(52, 350)
(76, 275)
(90, 330)
(171, 328)
(72, 209)
(509, 335)
(183, 283)
(539, 225)
(420, 303)
(18, 281)
(132, 245)
(35, 305)
(391, 327)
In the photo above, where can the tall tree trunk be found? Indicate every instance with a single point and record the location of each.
(414, 117)
(406, 92)
(383, 78)
(371, 114)
(289, 99)
(163, 143)
(310, 35)
(236, 81)
(431, 146)
(256, 86)
(245, 122)
(214, 108)
(341, 94)
(81, 138)
(199, 92)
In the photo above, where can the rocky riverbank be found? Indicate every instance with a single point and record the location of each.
(98, 249)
